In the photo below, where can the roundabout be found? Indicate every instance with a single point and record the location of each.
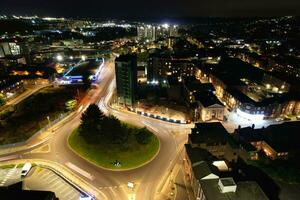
(114, 156)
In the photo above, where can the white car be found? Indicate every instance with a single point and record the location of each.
(26, 168)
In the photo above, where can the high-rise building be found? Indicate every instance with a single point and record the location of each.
(13, 50)
(8, 48)
(146, 32)
(126, 78)
(173, 31)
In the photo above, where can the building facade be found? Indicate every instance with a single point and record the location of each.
(126, 79)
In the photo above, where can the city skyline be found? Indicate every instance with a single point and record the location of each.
(154, 109)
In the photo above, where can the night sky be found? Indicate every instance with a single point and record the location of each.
(151, 8)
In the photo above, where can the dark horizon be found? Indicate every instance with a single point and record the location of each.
(133, 9)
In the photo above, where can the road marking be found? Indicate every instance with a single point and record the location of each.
(64, 188)
(8, 157)
(55, 184)
(80, 171)
(9, 174)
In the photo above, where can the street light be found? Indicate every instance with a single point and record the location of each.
(48, 118)
(59, 58)
(130, 185)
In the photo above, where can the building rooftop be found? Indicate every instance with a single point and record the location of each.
(202, 169)
(194, 85)
(248, 134)
(207, 98)
(289, 141)
(126, 58)
(15, 191)
(247, 190)
(210, 133)
(227, 181)
(198, 154)
(273, 135)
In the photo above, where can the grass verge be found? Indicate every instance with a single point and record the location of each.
(105, 155)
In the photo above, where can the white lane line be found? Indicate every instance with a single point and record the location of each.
(56, 184)
(74, 196)
(68, 192)
(45, 175)
(80, 171)
(64, 188)
(52, 180)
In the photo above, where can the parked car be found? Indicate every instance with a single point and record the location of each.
(26, 168)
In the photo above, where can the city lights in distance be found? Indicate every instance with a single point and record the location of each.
(166, 25)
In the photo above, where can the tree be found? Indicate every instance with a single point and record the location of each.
(71, 104)
(2, 100)
(114, 131)
(91, 122)
(143, 136)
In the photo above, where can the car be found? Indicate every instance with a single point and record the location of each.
(26, 168)
(86, 197)
(278, 119)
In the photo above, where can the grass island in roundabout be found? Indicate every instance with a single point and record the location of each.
(115, 145)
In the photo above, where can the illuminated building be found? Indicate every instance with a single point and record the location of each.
(146, 32)
(12, 51)
(202, 100)
(161, 66)
(272, 141)
(89, 69)
(250, 91)
(126, 79)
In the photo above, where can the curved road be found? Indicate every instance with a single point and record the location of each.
(149, 179)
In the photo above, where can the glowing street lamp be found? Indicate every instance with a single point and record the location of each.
(130, 185)
(59, 58)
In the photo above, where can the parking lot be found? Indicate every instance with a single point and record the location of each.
(10, 176)
(44, 179)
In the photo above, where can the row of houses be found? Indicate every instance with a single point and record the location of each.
(213, 156)
(277, 141)
(209, 157)
(251, 91)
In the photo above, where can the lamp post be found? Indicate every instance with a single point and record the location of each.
(48, 118)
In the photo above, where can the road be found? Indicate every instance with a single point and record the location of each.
(149, 179)
(29, 91)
